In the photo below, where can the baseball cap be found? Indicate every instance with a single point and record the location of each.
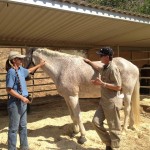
(15, 54)
(105, 51)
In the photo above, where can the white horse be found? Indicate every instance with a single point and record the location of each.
(72, 77)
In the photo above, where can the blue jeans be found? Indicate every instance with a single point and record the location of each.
(17, 112)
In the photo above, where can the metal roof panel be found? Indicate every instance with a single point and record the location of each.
(34, 24)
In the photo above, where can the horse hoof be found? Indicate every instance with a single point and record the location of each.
(131, 128)
(123, 132)
(73, 134)
(82, 139)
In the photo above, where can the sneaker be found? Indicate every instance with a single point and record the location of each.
(108, 148)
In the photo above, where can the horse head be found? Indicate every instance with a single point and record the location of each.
(28, 61)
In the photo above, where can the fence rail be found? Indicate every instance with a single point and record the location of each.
(30, 84)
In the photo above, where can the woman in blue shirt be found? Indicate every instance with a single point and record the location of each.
(17, 103)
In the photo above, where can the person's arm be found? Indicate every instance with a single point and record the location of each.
(42, 63)
(17, 95)
(94, 65)
(98, 81)
(111, 86)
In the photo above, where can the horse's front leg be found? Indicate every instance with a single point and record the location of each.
(73, 102)
(75, 125)
(127, 110)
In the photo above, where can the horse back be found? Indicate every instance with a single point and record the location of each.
(129, 74)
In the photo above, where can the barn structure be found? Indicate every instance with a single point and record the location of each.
(75, 25)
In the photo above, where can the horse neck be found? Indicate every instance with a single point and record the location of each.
(54, 64)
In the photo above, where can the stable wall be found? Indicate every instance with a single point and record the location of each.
(138, 56)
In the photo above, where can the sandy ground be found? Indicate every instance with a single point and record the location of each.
(49, 127)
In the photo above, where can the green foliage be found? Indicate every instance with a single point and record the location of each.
(109, 3)
(146, 7)
(138, 6)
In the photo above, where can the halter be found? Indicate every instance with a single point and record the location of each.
(30, 58)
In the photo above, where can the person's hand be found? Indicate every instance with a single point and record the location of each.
(97, 81)
(86, 60)
(42, 63)
(25, 100)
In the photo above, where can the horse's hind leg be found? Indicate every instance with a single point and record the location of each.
(127, 110)
(131, 120)
(76, 115)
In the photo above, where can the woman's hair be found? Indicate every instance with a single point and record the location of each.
(8, 65)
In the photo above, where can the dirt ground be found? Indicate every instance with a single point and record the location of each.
(49, 127)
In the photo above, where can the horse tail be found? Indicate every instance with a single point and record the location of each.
(135, 100)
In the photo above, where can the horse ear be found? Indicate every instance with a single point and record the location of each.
(30, 50)
(33, 49)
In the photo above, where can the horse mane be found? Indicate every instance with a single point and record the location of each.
(53, 53)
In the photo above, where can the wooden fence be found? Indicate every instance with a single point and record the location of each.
(43, 84)
(40, 83)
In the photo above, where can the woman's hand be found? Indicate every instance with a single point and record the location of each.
(25, 100)
(42, 62)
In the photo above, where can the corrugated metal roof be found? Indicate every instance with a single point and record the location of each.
(64, 23)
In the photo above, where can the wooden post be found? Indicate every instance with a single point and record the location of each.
(118, 51)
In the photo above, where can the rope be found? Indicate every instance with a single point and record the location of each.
(31, 100)
(32, 88)
(20, 88)
(30, 63)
